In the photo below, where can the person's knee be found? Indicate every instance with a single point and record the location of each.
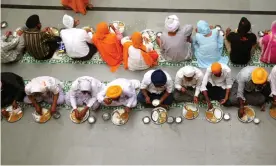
(176, 96)
(260, 100)
(169, 100)
(141, 98)
(61, 99)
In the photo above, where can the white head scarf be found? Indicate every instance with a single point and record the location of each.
(37, 87)
(188, 71)
(68, 21)
(172, 23)
(85, 85)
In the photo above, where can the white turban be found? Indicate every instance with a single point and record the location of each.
(187, 71)
(172, 23)
(68, 21)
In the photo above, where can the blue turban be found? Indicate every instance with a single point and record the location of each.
(158, 78)
(203, 27)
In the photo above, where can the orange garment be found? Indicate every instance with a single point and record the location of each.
(109, 46)
(150, 58)
(79, 6)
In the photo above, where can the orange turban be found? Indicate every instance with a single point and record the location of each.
(102, 30)
(259, 75)
(216, 68)
(114, 91)
(150, 58)
(137, 40)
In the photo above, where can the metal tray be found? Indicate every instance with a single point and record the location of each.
(44, 110)
(158, 111)
(150, 33)
(19, 114)
(114, 116)
(83, 119)
(270, 112)
(250, 119)
(195, 113)
(214, 119)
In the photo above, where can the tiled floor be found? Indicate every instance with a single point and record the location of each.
(192, 142)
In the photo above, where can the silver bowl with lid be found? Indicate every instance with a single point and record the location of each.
(106, 116)
(170, 120)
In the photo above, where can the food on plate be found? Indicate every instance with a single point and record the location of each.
(189, 114)
(272, 112)
(209, 115)
(15, 116)
(73, 117)
(217, 113)
(45, 116)
(249, 112)
(244, 118)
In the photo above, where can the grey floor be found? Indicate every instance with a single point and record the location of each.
(192, 142)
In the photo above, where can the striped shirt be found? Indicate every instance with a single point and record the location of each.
(36, 43)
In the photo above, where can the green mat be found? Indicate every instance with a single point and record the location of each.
(255, 60)
(67, 85)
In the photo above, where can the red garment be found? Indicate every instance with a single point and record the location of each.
(79, 6)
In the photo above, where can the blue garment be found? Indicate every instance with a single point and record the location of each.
(208, 50)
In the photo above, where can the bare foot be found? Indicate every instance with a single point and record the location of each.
(90, 6)
(263, 108)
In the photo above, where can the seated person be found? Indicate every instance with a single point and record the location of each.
(79, 6)
(251, 87)
(12, 91)
(78, 43)
(217, 83)
(12, 47)
(268, 46)
(120, 92)
(188, 81)
(242, 42)
(208, 45)
(175, 42)
(39, 44)
(47, 89)
(272, 79)
(83, 92)
(109, 45)
(156, 84)
(138, 56)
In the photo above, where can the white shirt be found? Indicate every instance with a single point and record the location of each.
(43, 84)
(135, 58)
(195, 82)
(128, 97)
(75, 41)
(272, 79)
(147, 84)
(224, 81)
(96, 85)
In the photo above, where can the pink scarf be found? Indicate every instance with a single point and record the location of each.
(268, 45)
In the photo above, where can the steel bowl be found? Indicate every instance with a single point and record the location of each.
(155, 102)
(91, 120)
(4, 24)
(106, 116)
(226, 116)
(178, 120)
(146, 120)
(256, 120)
(170, 120)
(261, 34)
(57, 115)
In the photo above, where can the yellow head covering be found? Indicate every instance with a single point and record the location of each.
(114, 92)
(259, 75)
(216, 67)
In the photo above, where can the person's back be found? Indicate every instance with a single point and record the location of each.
(242, 43)
(177, 48)
(268, 45)
(208, 45)
(39, 44)
(75, 41)
(36, 46)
